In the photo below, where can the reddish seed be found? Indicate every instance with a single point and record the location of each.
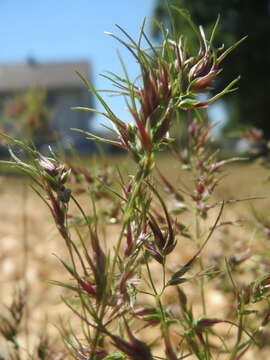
(87, 286)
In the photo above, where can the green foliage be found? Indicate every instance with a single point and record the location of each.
(25, 116)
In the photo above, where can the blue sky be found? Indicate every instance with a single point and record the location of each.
(63, 30)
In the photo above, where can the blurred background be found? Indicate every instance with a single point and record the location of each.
(44, 44)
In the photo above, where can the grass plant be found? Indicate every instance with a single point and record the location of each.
(130, 292)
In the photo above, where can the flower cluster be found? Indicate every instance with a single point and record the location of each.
(170, 81)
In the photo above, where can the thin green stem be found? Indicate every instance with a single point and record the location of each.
(202, 283)
(150, 277)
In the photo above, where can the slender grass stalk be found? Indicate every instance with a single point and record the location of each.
(113, 287)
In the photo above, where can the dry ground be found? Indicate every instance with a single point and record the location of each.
(28, 239)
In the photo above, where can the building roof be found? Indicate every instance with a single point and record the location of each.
(52, 75)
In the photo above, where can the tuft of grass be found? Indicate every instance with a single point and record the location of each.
(143, 250)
